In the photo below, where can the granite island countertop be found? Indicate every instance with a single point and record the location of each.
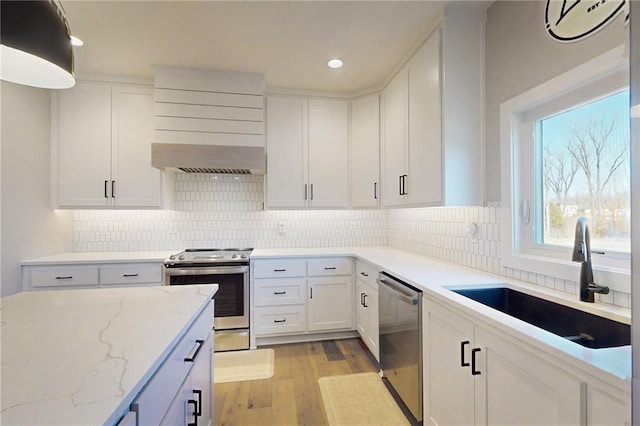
(82, 356)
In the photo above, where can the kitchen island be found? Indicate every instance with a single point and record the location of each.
(84, 356)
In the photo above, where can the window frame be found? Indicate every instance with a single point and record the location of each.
(604, 74)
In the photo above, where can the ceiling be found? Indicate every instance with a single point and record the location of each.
(289, 42)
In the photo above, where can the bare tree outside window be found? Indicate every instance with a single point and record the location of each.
(585, 172)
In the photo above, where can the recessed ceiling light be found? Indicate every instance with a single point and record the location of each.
(335, 63)
(75, 41)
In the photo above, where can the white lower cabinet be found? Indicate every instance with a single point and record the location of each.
(180, 391)
(297, 296)
(57, 277)
(474, 375)
(367, 307)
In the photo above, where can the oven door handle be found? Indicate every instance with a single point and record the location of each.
(213, 270)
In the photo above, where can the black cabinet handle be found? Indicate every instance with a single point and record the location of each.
(279, 292)
(361, 299)
(129, 275)
(365, 301)
(281, 320)
(330, 268)
(195, 411)
(69, 277)
(106, 182)
(200, 343)
(463, 363)
(364, 274)
(312, 191)
(311, 292)
(473, 362)
(199, 409)
(280, 270)
(403, 183)
(375, 190)
(305, 191)
(400, 185)
(113, 189)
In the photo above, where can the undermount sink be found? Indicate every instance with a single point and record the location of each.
(578, 326)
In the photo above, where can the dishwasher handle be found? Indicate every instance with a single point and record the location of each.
(410, 299)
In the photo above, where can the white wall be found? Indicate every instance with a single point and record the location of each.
(29, 227)
(520, 55)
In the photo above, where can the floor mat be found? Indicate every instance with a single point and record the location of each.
(237, 366)
(359, 399)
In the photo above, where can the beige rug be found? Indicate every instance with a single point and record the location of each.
(359, 399)
(238, 366)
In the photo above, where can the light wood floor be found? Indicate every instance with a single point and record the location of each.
(292, 395)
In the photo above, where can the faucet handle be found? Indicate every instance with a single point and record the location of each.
(597, 252)
(597, 288)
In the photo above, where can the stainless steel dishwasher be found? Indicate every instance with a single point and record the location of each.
(400, 310)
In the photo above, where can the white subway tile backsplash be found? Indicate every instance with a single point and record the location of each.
(227, 211)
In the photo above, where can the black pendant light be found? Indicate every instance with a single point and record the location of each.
(35, 46)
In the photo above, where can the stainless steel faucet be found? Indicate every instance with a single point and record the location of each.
(582, 253)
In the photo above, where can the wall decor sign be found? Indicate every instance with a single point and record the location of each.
(573, 20)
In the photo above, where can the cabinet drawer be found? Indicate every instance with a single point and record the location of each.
(58, 276)
(281, 319)
(279, 268)
(330, 266)
(161, 390)
(131, 273)
(367, 273)
(282, 291)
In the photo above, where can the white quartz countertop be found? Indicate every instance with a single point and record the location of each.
(101, 257)
(79, 357)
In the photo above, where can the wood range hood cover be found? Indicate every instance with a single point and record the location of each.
(208, 121)
(191, 158)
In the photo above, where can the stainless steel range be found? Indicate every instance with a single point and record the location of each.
(229, 268)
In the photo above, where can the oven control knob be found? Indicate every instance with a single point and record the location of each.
(235, 256)
(172, 257)
(181, 257)
(243, 256)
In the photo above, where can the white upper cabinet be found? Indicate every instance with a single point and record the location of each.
(432, 120)
(364, 159)
(102, 147)
(307, 152)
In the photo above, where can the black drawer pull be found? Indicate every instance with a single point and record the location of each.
(279, 270)
(113, 189)
(281, 320)
(195, 412)
(129, 275)
(364, 274)
(69, 277)
(106, 182)
(200, 344)
(364, 300)
(330, 268)
(473, 362)
(279, 292)
(463, 363)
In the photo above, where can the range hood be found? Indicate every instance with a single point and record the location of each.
(208, 121)
(189, 158)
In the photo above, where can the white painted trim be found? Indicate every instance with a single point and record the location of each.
(616, 279)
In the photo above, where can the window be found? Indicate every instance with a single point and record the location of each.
(565, 154)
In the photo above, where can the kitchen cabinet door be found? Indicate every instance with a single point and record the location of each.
(394, 140)
(364, 159)
(83, 127)
(330, 303)
(515, 386)
(287, 137)
(367, 317)
(202, 382)
(328, 153)
(449, 384)
(135, 182)
(424, 183)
